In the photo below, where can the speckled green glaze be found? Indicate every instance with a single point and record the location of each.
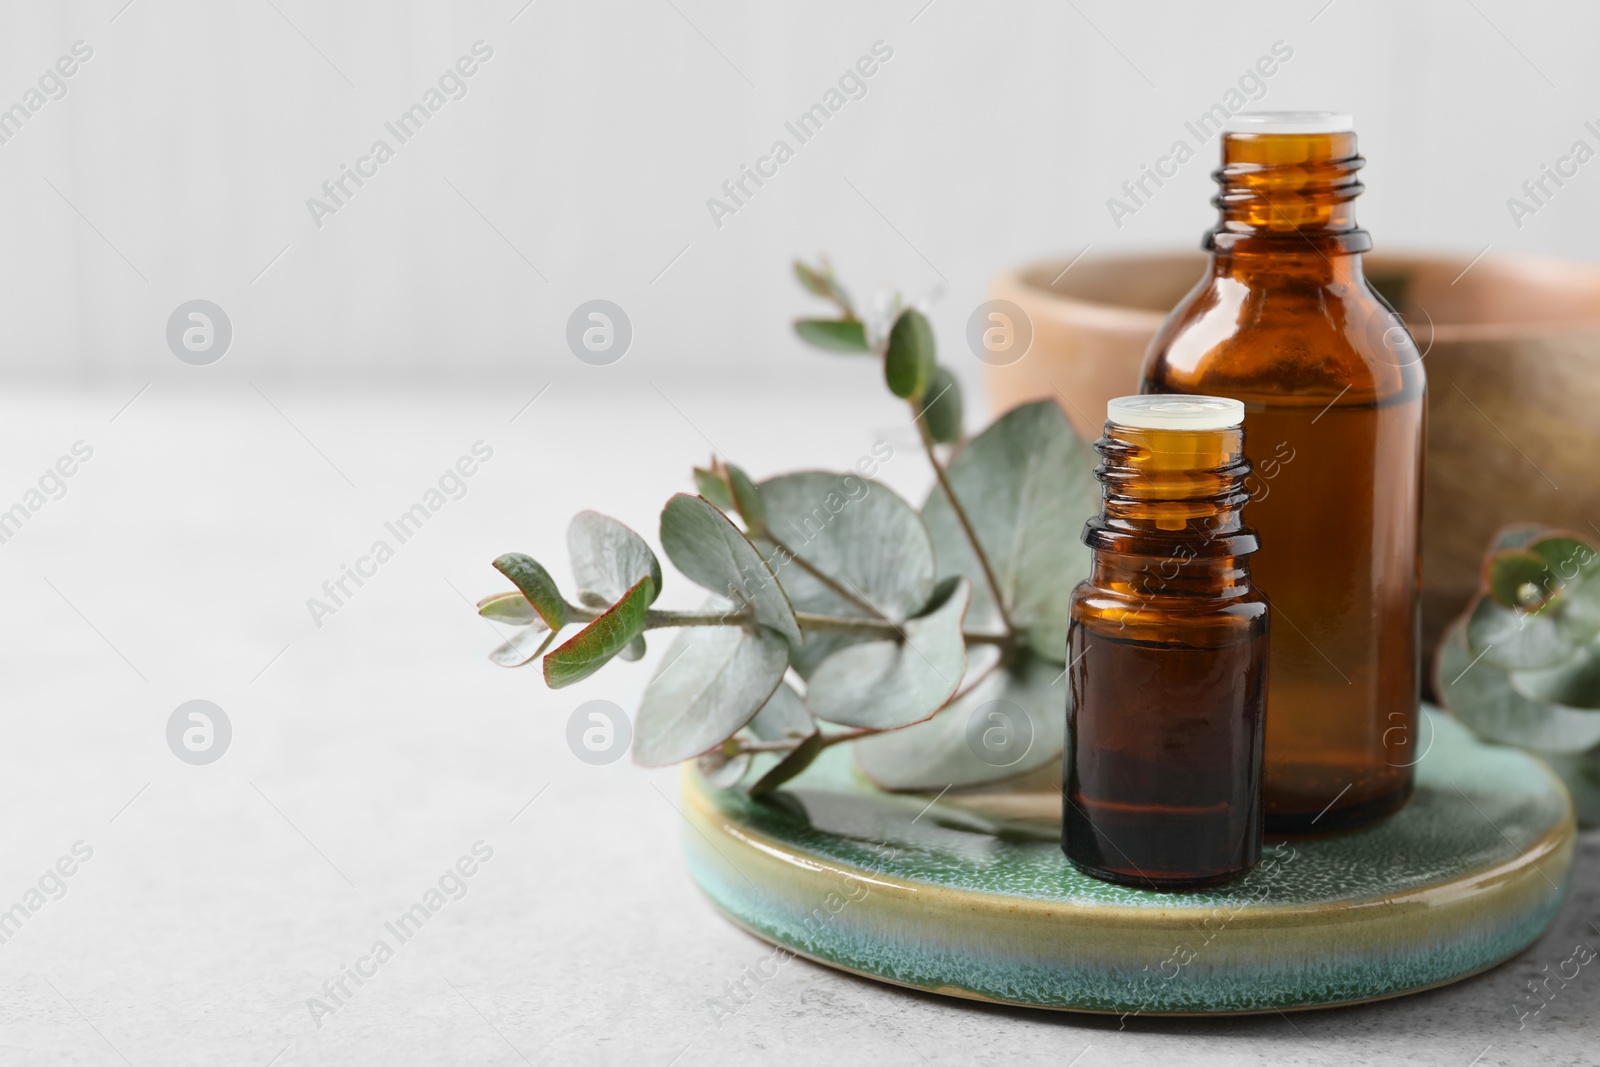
(951, 899)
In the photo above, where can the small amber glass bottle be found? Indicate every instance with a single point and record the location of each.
(1167, 655)
(1334, 388)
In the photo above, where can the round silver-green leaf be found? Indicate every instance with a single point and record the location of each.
(1482, 696)
(510, 608)
(1574, 683)
(607, 635)
(609, 558)
(940, 753)
(783, 717)
(524, 646)
(712, 553)
(887, 684)
(712, 682)
(859, 533)
(535, 583)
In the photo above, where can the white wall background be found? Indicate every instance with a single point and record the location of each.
(179, 164)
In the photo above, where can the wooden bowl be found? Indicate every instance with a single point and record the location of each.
(1513, 357)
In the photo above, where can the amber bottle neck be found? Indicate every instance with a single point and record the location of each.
(1171, 521)
(1287, 196)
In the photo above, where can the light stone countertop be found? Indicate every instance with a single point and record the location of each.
(371, 753)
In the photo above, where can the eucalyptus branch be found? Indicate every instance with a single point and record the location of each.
(910, 384)
(720, 536)
(966, 525)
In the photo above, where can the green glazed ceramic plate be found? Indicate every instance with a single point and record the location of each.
(972, 897)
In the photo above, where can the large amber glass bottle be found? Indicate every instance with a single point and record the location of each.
(1333, 387)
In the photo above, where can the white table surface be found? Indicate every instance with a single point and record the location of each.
(370, 753)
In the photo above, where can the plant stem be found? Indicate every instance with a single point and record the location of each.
(770, 746)
(848, 735)
(656, 620)
(966, 524)
(843, 625)
(750, 747)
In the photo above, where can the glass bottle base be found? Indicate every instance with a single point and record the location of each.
(1337, 819)
(1137, 880)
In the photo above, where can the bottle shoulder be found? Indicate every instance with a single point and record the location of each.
(1291, 335)
(1243, 602)
(1169, 620)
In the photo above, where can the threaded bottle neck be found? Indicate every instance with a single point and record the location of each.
(1172, 507)
(1279, 191)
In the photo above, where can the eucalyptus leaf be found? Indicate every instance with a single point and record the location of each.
(783, 717)
(723, 767)
(608, 558)
(1574, 683)
(1027, 483)
(524, 646)
(712, 553)
(634, 651)
(714, 487)
(1517, 535)
(1569, 558)
(536, 585)
(593, 647)
(1581, 773)
(1011, 723)
(909, 357)
(730, 490)
(711, 683)
(821, 283)
(940, 406)
(511, 608)
(1484, 699)
(859, 533)
(887, 684)
(746, 498)
(1575, 568)
(1511, 573)
(834, 335)
(1580, 606)
(1519, 640)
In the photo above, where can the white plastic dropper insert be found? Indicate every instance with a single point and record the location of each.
(1175, 411)
(1290, 122)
